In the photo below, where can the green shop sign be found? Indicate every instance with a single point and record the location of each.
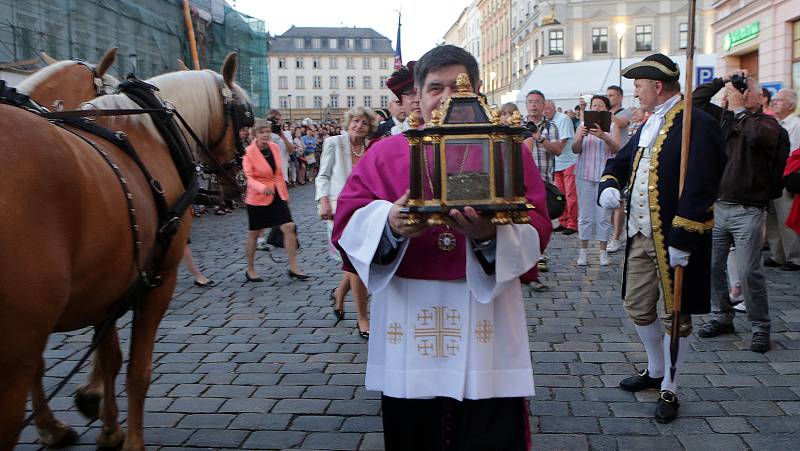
(740, 36)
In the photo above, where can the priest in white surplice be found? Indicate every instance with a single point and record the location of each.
(449, 343)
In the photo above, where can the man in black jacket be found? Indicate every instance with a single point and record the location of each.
(757, 147)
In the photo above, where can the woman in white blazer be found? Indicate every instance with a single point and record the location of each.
(339, 155)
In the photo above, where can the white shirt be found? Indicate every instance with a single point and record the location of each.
(462, 339)
(792, 126)
(284, 152)
(399, 127)
(639, 217)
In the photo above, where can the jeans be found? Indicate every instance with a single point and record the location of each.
(741, 226)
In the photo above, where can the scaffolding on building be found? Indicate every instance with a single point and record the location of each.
(150, 36)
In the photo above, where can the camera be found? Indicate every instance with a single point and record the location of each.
(739, 81)
(531, 126)
(275, 127)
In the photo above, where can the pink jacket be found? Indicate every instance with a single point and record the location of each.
(260, 176)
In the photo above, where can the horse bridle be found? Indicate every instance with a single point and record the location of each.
(100, 86)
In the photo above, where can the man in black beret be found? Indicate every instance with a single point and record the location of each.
(401, 83)
(665, 229)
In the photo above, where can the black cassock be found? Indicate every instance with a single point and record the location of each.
(684, 223)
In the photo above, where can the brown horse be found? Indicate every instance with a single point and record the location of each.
(67, 84)
(70, 258)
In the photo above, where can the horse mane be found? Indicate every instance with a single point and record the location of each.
(31, 82)
(195, 94)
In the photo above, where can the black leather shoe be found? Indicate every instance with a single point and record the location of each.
(294, 275)
(362, 333)
(338, 313)
(569, 231)
(667, 407)
(771, 263)
(760, 342)
(559, 229)
(713, 328)
(789, 266)
(247, 278)
(642, 381)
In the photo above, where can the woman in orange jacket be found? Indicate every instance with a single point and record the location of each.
(266, 199)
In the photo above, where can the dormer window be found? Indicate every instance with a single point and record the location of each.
(298, 43)
(332, 43)
(366, 44)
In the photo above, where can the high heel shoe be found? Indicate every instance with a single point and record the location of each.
(251, 279)
(294, 275)
(362, 333)
(339, 313)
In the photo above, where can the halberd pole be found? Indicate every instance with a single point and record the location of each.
(686, 133)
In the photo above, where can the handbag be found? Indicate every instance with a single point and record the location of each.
(556, 201)
(275, 237)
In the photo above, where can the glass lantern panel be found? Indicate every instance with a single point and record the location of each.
(469, 112)
(504, 182)
(468, 170)
(428, 175)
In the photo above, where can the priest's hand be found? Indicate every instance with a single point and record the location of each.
(609, 198)
(397, 220)
(472, 224)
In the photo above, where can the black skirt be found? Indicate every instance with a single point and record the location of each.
(266, 216)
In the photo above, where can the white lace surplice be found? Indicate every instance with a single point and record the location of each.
(459, 339)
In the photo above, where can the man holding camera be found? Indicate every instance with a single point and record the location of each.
(757, 147)
(665, 228)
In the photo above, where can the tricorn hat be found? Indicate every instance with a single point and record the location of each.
(401, 79)
(654, 67)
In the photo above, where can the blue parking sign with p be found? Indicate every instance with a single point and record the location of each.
(704, 74)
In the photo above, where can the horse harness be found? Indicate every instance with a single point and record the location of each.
(163, 117)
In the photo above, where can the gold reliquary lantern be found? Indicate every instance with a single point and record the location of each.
(464, 156)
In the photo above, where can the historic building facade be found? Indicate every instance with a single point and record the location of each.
(320, 73)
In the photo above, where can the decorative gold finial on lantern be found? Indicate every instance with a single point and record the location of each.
(495, 116)
(516, 119)
(413, 120)
(462, 83)
(436, 117)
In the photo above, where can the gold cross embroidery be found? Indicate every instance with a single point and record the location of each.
(443, 337)
(395, 333)
(483, 331)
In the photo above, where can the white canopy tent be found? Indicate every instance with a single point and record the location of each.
(563, 83)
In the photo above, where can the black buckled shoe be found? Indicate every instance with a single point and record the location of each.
(760, 342)
(713, 328)
(667, 407)
(642, 381)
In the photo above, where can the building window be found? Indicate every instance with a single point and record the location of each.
(300, 102)
(644, 38)
(350, 43)
(384, 102)
(281, 62)
(796, 55)
(367, 83)
(384, 63)
(332, 43)
(367, 62)
(351, 101)
(383, 83)
(557, 42)
(316, 43)
(317, 101)
(317, 81)
(599, 40)
(351, 82)
(368, 101)
(366, 44)
(334, 101)
(683, 35)
(299, 63)
(350, 63)
(283, 82)
(334, 82)
(284, 102)
(298, 43)
(316, 62)
(333, 63)
(300, 82)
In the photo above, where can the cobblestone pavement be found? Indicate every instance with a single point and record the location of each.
(263, 366)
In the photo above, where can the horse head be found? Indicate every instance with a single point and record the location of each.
(67, 84)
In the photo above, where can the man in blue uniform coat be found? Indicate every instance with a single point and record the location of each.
(664, 229)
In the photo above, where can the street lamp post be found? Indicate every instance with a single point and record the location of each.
(290, 108)
(620, 32)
